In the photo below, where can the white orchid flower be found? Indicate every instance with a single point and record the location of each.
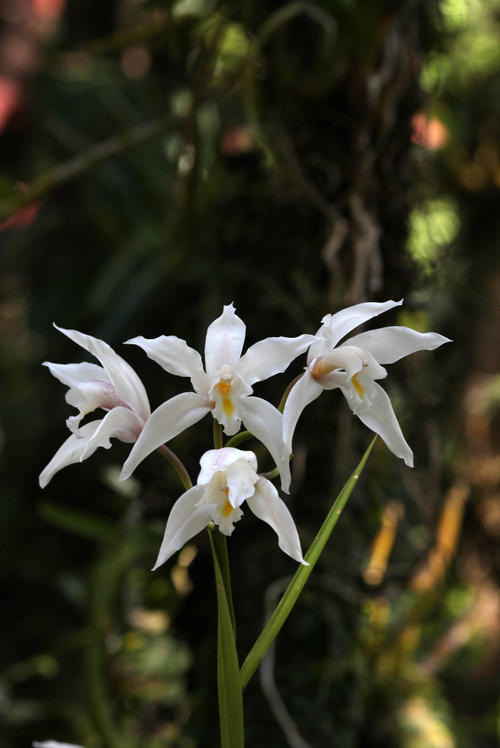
(54, 744)
(354, 366)
(114, 387)
(227, 479)
(224, 387)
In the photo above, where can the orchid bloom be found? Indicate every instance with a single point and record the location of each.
(227, 479)
(54, 744)
(114, 387)
(223, 387)
(354, 366)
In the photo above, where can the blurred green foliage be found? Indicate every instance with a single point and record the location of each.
(293, 159)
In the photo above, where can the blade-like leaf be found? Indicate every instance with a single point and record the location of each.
(285, 605)
(81, 523)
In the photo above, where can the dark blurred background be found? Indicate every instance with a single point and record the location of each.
(160, 159)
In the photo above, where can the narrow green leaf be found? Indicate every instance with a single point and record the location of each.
(228, 673)
(85, 524)
(285, 605)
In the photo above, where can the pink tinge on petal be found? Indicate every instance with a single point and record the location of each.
(215, 460)
(89, 396)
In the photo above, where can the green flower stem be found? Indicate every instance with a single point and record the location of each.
(228, 676)
(271, 474)
(178, 466)
(243, 436)
(281, 406)
(285, 605)
(218, 438)
(220, 544)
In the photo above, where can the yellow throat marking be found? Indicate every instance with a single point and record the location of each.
(224, 388)
(357, 386)
(228, 508)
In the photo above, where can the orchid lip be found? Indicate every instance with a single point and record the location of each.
(227, 480)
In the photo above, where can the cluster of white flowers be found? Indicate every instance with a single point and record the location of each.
(223, 387)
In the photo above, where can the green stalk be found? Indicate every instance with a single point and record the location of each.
(177, 464)
(218, 439)
(219, 540)
(284, 398)
(285, 605)
(220, 544)
(228, 675)
(243, 436)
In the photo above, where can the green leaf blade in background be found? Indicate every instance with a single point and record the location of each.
(292, 592)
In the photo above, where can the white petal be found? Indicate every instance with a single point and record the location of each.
(224, 521)
(267, 506)
(379, 416)
(265, 422)
(319, 348)
(185, 520)
(69, 452)
(389, 344)
(335, 326)
(271, 356)
(127, 384)
(87, 397)
(346, 358)
(120, 423)
(302, 393)
(224, 341)
(53, 744)
(74, 374)
(176, 357)
(220, 459)
(370, 366)
(168, 420)
(241, 478)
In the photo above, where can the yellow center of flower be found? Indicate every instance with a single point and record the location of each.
(224, 387)
(357, 386)
(228, 508)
